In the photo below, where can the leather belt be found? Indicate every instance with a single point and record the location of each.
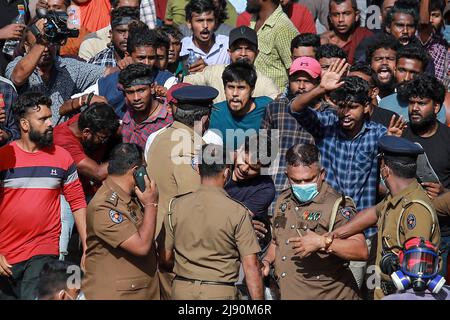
(216, 283)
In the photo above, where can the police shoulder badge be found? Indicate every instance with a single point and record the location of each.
(283, 207)
(347, 213)
(115, 216)
(411, 221)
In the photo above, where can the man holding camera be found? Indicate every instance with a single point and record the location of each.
(41, 69)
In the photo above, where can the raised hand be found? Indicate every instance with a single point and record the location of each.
(396, 126)
(331, 79)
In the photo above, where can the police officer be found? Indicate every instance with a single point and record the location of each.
(406, 212)
(309, 265)
(208, 234)
(121, 255)
(172, 152)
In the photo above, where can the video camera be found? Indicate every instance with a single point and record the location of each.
(55, 29)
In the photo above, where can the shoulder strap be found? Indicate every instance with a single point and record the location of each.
(423, 203)
(335, 209)
(169, 214)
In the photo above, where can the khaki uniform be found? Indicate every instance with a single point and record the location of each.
(211, 232)
(113, 273)
(413, 220)
(319, 276)
(171, 163)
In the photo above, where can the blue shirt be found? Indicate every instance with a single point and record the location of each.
(393, 103)
(107, 87)
(217, 55)
(223, 121)
(351, 164)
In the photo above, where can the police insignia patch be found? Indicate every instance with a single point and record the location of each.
(311, 216)
(411, 221)
(346, 213)
(283, 207)
(115, 216)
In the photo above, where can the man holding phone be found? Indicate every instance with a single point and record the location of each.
(121, 263)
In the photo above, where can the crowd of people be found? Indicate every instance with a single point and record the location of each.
(224, 149)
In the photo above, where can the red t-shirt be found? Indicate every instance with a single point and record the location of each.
(30, 209)
(64, 137)
(357, 36)
(95, 14)
(299, 14)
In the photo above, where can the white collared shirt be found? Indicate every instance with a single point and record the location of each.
(217, 55)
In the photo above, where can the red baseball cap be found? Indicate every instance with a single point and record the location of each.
(169, 96)
(307, 64)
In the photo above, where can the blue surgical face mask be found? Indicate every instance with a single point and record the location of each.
(446, 32)
(305, 192)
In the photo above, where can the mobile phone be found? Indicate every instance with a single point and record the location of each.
(139, 175)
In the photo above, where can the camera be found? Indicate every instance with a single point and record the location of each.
(55, 29)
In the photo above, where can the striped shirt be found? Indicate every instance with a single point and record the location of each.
(30, 189)
(274, 45)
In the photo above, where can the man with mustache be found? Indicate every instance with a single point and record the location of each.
(411, 61)
(240, 115)
(243, 46)
(34, 173)
(344, 24)
(425, 95)
(120, 20)
(145, 114)
(207, 47)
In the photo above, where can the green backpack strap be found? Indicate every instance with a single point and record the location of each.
(335, 209)
(423, 203)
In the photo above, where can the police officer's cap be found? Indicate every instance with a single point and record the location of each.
(399, 149)
(195, 96)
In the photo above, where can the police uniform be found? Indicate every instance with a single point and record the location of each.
(172, 156)
(407, 214)
(319, 276)
(113, 273)
(209, 233)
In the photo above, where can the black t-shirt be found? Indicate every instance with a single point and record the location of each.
(8, 11)
(382, 116)
(256, 194)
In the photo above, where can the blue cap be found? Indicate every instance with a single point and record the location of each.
(399, 148)
(191, 96)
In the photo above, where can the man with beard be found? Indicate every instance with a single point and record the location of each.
(299, 14)
(144, 114)
(381, 56)
(243, 46)
(34, 173)
(304, 76)
(240, 115)
(344, 24)
(411, 61)
(275, 33)
(120, 20)
(41, 69)
(425, 95)
(207, 48)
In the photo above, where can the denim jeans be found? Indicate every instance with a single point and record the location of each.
(67, 222)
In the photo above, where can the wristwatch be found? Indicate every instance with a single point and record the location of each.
(328, 242)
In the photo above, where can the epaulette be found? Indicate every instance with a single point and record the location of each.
(169, 213)
(113, 198)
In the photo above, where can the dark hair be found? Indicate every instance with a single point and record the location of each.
(240, 71)
(361, 67)
(139, 35)
(383, 41)
(30, 100)
(330, 51)
(406, 7)
(67, 3)
(53, 278)
(222, 14)
(172, 31)
(354, 4)
(305, 40)
(413, 51)
(200, 6)
(436, 5)
(255, 145)
(402, 169)
(115, 3)
(354, 90)
(302, 155)
(213, 161)
(99, 117)
(122, 12)
(124, 157)
(162, 38)
(135, 71)
(423, 86)
(188, 117)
